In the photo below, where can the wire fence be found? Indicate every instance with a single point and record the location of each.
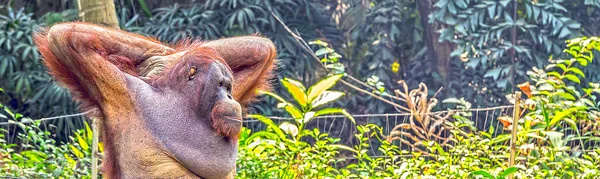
(482, 119)
(338, 126)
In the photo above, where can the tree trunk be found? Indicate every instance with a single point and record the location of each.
(99, 12)
(438, 52)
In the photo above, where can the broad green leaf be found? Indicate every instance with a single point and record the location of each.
(562, 66)
(562, 114)
(582, 61)
(338, 146)
(323, 51)
(318, 42)
(296, 83)
(483, 173)
(553, 73)
(326, 97)
(572, 78)
(296, 89)
(545, 113)
(261, 134)
(322, 85)
(508, 171)
(308, 116)
(500, 138)
(88, 131)
(70, 160)
(576, 71)
(76, 151)
(565, 95)
(279, 98)
(269, 123)
(100, 147)
(327, 111)
(556, 138)
(84, 145)
(451, 101)
(494, 73)
(289, 128)
(293, 111)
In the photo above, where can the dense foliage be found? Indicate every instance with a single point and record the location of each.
(39, 155)
(478, 50)
(556, 104)
(381, 41)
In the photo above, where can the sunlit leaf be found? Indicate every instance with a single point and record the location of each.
(308, 116)
(326, 97)
(82, 143)
(279, 98)
(572, 78)
(269, 123)
(293, 111)
(318, 42)
(76, 151)
(483, 174)
(508, 171)
(296, 89)
(322, 85)
(562, 114)
(338, 146)
(327, 111)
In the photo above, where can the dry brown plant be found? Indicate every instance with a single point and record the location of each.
(423, 125)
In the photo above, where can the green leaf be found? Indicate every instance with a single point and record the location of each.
(582, 61)
(326, 97)
(261, 134)
(483, 173)
(451, 101)
(562, 114)
(70, 160)
(553, 73)
(508, 171)
(88, 131)
(323, 51)
(572, 78)
(76, 151)
(322, 85)
(334, 111)
(293, 111)
(279, 98)
(308, 116)
(576, 71)
(545, 113)
(296, 89)
(494, 73)
(269, 124)
(565, 95)
(318, 42)
(338, 146)
(82, 143)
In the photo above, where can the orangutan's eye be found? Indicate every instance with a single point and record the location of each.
(191, 72)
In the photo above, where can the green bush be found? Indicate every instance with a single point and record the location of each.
(38, 155)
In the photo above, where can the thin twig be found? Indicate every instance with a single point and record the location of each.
(374, 95)
(304, 46)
